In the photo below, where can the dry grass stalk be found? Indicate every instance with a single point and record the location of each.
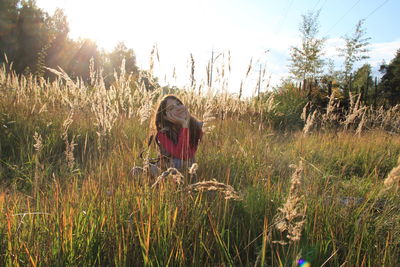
(353, 115)
(136, 171)
(145, 105)
(106, 115)
(303, 115)
(361, 125)
(69, 146)
(330, 107)
(193, 169)
(241, 148)
(151, 67)
(38, 142)
(207, 119)
(391, 119)
(354, 105)
(2, 200)
(63, 75)
(66, 124)
(144, 112)
(356, 111)
(270, 104)
(213, 185)
(309, 122)
(393, 178)
(176, 176)
(249, 67)
(330, 116)
(69, 152)
(192, 69)
(291, 217)
(38, 147)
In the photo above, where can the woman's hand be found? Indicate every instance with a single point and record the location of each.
(182, 117)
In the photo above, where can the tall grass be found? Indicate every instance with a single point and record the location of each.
(67, 197)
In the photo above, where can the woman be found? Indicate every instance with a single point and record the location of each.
(177, 133)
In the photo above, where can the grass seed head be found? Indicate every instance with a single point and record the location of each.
(290, 219)
(38, 142)
(213, 185)
(176, 176)
(393, 178)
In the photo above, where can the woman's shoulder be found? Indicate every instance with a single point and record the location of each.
(163, 130)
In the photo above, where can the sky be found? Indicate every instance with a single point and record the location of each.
(260, 31)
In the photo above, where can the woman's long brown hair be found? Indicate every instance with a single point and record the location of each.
(171, 129)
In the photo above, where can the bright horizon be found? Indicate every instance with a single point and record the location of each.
(246, 28)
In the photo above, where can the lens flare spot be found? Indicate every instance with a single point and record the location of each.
(304, 263)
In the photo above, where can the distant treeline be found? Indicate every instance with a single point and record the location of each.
(32, 39)
(308, 64)
(383, 91)
(370, 90)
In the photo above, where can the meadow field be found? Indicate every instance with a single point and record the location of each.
(324, 192)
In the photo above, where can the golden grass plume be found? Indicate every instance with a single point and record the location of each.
(290, 219)
(393, 178)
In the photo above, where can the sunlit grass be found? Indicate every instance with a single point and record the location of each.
(97, 214)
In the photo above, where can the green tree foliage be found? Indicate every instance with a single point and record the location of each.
(390, 82)
(331, 73)
(33, 36)
(355, 48)
(113, 61)
(306, 61)
(8, 22)
(32, 40)
(82, 52)
(25, 35)
(59, 52)
(362, 82)
(290, 101)
(121, 52)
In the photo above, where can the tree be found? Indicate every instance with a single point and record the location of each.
(112, 62)
(390, 81)
(32, 36)
(8, 22)
(58, 53)
(33, 40)
(355, 49)
(362, 81)
(121, 52)
(24, 35)
(306, 61)
(82, 52)
(331, 73)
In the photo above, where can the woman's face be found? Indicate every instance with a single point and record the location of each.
(174, 108)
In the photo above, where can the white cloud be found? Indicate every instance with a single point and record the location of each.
(383, 51)
(331, 46)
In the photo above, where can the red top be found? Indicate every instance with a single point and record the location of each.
(181, 150)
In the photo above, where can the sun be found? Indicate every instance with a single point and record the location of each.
(104, 22)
